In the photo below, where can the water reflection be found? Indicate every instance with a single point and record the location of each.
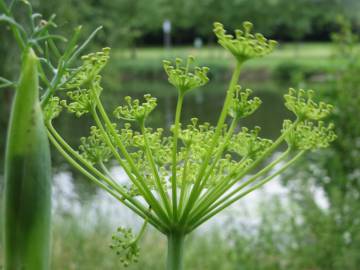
(67, 201)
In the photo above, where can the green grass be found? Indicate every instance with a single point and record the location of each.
(289, 63)
(307, 54)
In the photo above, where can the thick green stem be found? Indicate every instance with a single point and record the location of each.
(175, 255)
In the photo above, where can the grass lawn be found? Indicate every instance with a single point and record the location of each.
(314, 55)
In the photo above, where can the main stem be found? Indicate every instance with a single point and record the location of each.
(175, 251)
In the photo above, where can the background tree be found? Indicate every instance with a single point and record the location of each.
(330, 236)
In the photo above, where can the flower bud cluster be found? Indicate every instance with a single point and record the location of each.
(160, 148)
(125, 245)
(196, 133)
(198, 137)
(134, 111)
(241, 105)
(244, 45)
(228, 166)
(52, 109)
(83, 100)
(307, 135)
(93, 63)
(301, 103)
(182, 78)
(82, 86)
(248, 144)
(93, 148)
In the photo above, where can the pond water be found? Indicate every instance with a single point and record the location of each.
(205, 104)
(73, 194)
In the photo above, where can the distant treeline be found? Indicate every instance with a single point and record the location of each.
(140, 21)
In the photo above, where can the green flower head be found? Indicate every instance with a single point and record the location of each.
(242, 106)
(93, 63)
(83, 100)
(181, 77)
(197, 135)
(301, 103)
(244, 45)
(248, 144)
(52, 109)
(125, 245)
(307, 135)
(93, 148)
(134, 110)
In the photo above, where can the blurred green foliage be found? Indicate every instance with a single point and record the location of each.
(125, 21)
(334, 231)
